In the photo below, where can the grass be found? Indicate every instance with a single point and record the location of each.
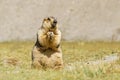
(72, 52)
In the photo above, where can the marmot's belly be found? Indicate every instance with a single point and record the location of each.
(51, 59)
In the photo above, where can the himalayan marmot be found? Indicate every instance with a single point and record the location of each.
(47, 52)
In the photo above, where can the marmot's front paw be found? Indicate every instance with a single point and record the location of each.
(50, 35)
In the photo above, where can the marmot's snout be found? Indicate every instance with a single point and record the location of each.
(54, 23)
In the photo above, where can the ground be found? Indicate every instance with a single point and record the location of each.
(15, 62)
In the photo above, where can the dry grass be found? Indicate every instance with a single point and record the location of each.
(73, 52)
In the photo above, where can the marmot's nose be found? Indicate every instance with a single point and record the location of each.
(55, 21)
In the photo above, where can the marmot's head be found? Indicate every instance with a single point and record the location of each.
(50, 23)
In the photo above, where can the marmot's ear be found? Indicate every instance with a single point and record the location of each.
(44, 19)
(48, 18)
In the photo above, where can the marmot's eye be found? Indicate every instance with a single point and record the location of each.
(49, 19)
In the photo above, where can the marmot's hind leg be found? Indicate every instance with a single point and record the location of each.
(36, 64)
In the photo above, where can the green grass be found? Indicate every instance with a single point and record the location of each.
(72, 52)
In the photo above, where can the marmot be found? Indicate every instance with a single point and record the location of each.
(47, 52)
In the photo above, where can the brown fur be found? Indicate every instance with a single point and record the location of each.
(47, 52)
